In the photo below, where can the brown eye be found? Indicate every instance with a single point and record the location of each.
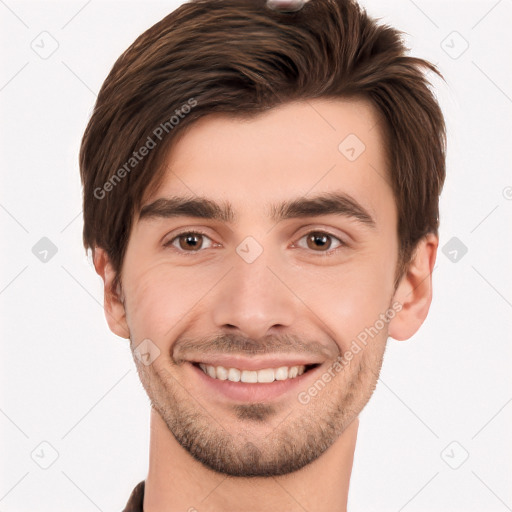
(190, 241)
(319, 241)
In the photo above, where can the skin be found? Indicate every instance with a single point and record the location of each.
(214, 453)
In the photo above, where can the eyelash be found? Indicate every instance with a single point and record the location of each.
(198, 232)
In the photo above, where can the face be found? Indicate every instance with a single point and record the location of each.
(255, 271)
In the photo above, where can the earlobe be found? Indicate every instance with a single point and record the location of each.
(414, 292)
(113, 300)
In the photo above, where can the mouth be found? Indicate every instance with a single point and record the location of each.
(246, 381)
(248, 376)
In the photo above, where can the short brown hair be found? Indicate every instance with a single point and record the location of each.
(241, 58)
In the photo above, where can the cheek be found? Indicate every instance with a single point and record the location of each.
(351, 298)
(160, 296)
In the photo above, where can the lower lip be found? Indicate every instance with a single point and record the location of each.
(256, 392)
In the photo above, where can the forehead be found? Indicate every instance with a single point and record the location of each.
(298, 149)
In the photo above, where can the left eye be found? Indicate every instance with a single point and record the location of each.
(320, 240)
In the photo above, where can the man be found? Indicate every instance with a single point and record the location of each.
(261, 186)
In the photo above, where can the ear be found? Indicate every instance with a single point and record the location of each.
(414, 291)
(113, 304)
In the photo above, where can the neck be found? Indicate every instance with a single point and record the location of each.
(177, 482)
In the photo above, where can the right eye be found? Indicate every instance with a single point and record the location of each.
(188, 241)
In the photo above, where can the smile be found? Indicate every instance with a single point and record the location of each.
(247, 380)
(265, 375)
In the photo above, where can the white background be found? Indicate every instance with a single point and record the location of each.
(68, 381)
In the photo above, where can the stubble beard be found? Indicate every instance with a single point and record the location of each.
(302, 436)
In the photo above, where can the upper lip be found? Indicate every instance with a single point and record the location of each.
(255, 363)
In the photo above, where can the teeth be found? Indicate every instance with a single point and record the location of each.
(234, 375)
(222, 373)
(281, 373)
(248, 376)
(266, 375)
(252, 376)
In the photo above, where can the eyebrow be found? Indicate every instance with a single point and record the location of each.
(331, 203)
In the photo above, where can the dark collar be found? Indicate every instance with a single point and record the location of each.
(136, 499)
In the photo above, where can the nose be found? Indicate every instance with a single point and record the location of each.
(253, 299)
